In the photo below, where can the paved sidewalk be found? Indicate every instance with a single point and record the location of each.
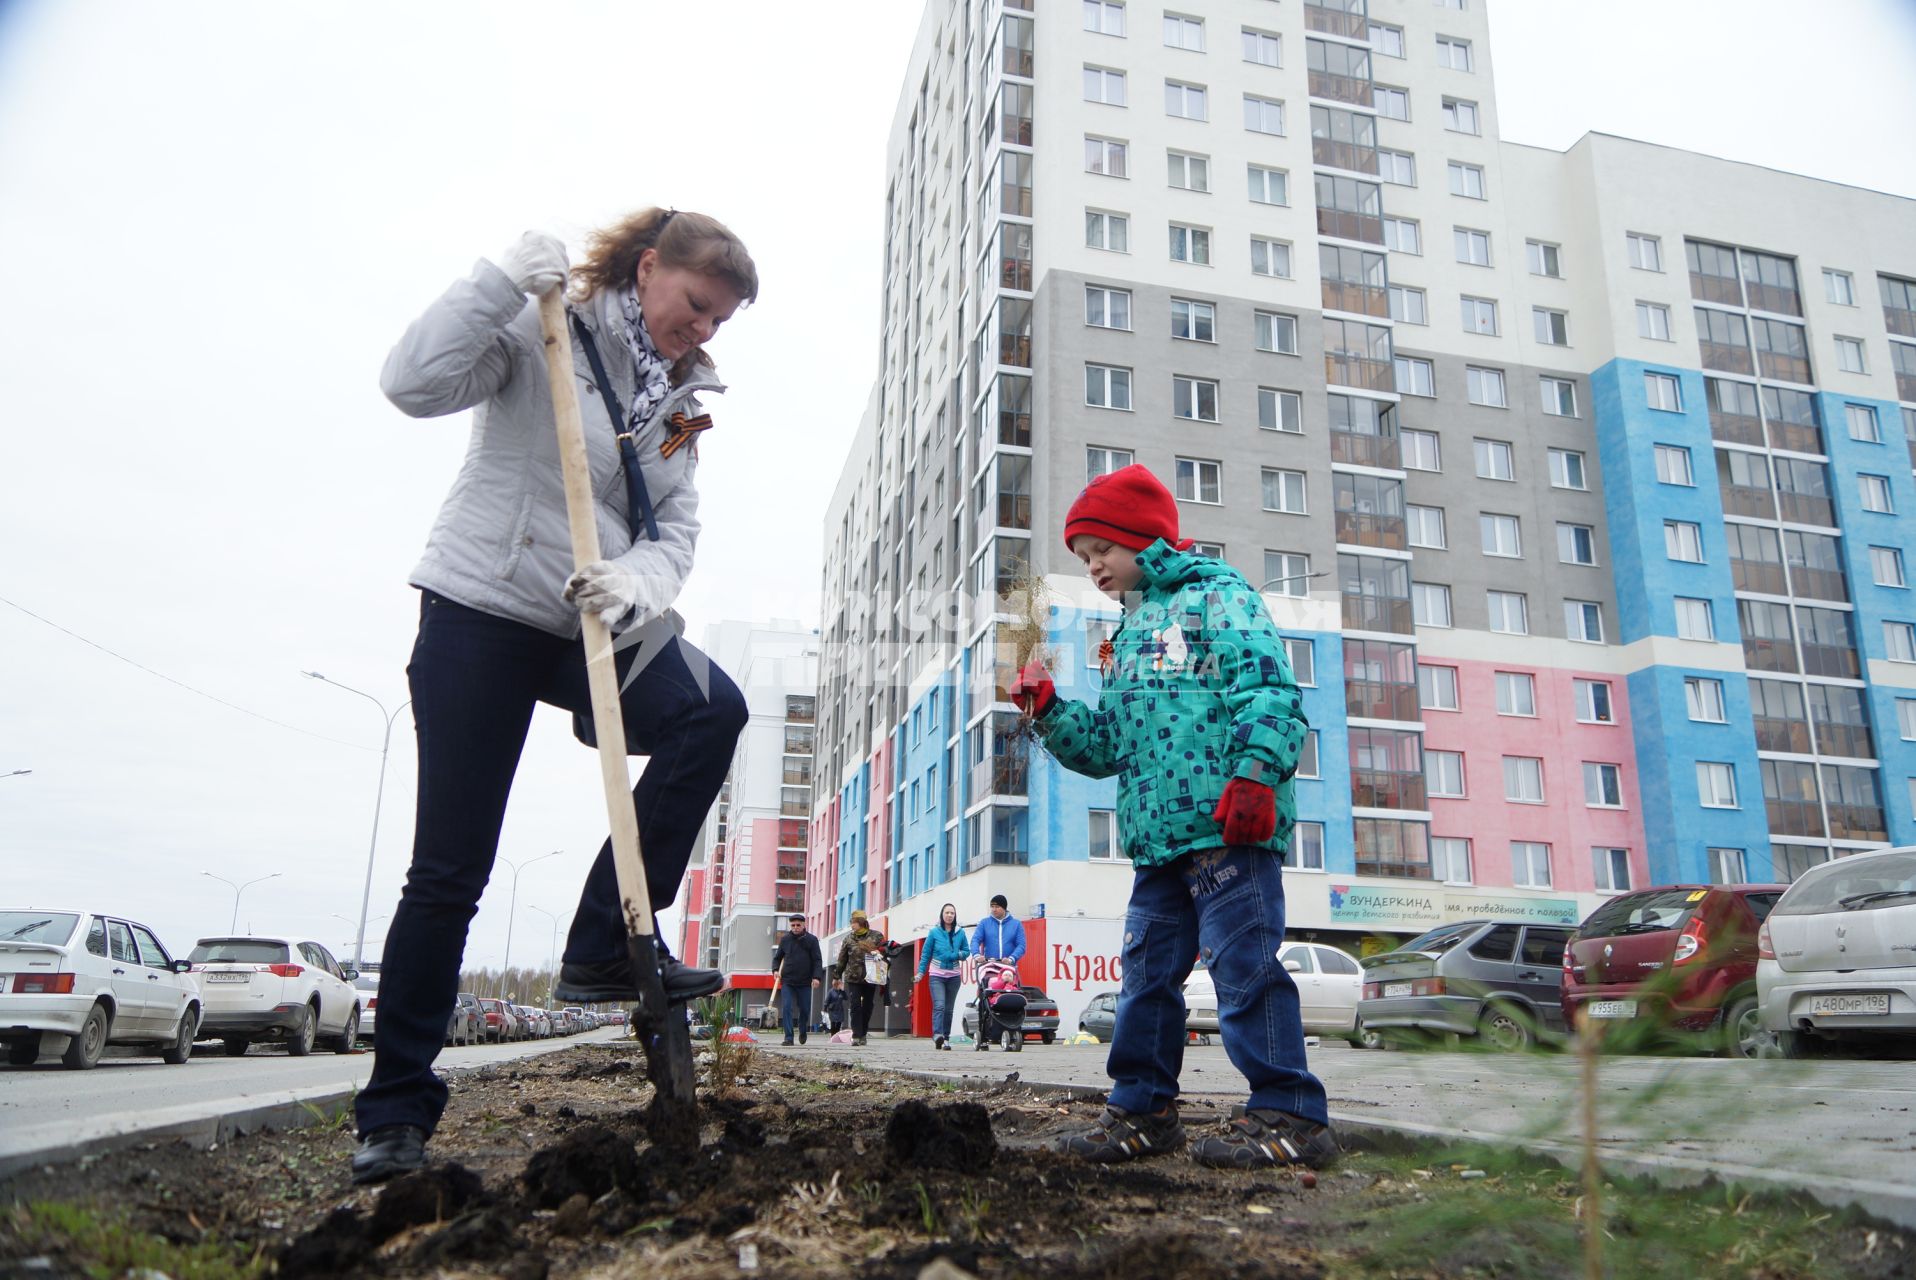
(1843, 1131)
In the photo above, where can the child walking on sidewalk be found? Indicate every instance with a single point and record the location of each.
(1201, 721)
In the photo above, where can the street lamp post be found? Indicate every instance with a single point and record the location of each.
(237, 889)
(552, 960)
(379, 796)
(17, 773)
(512, 908)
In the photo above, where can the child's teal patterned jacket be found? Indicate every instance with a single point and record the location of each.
(1198, 691)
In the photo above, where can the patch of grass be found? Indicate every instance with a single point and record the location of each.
(106, 1246)
(1420, 1217)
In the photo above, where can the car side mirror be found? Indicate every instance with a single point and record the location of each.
(1293, 966)
(349, 974)
(182, 966)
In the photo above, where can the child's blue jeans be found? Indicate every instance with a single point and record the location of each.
(1230, 903)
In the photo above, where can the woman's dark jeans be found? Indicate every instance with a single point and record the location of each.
(860, 996)
(475, 679)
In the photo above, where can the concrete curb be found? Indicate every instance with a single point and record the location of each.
(58, 1145)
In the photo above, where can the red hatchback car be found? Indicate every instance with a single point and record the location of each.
(1677, 958)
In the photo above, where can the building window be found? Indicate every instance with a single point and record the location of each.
(1694, 620)
(1430, 604)
(1551, 327)
(1444, 774)
(1107, 308)
(1183, 33)
(1460, 115)
(1100, 461)
(1529, 864)
(1284, 491)
(1101, 84)
(1501, 535)
(1494, 460)
(1287, 573)
(1473, 247)
(1593, 701)
(1187, 172)
(1479, 315)
(1269, 186)
(1302, 659)
(1387, 40)
(1307, 848)
(1602, 785)
(1399, 168)
(1190, 244)
(1875, 493)
(1683, 540)
(1194, 398)
(1863, 424)
(1559, 397)
(1426, 525)
(1108, 231)
(1107, 387)
(1401, 235)
(1662, 392)
(1653, 321)
(1716, 785)
(1886, 567)
(1485, 386)
(1839, 288)
(1407, 304)
(1437, 687)
(1212, 550)
(1104, 836)
(1263, 115)
(1566, 469)
(1391, 102)
(1421, 451)
(1453, 53)
(1270, 258)
(1523, 780)
(1262, 47)
(1186, 101)
(1906, 718)
(1646, 252)
(1544, 259)
(1899, 641)
(1583, 621)
(1275, 332)
(1199, 480)
(1509, 612)
(1107, 156)
(1450, 859)
(1414, 377)
(1516, 693)
(1726, 867)
(1194, 321)
(1280, 410)
(1703, 695)
(1576, 544)
(1466, 180)
(1849, 355)
(1673, 465)
(1611, 868)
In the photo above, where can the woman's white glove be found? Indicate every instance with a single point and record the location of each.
(605, 588)
(535, 263)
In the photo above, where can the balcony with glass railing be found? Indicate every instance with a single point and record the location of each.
(1364, 449)
(1337, 18)
(1827, 643)
(1372, 529)
(1902, 358)
(1746, 500)
(1810, 583)
(1764, 577)
(1381, 699)
(1769, 281)
(1775, 734)
(1391, 847)
(1854, 803)
(1793, 817)
(1713, 273)
(1782, 350)
(1805, 508)
(1850, 740)
(1733, 412)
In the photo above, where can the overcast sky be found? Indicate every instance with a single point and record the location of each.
(217, 218)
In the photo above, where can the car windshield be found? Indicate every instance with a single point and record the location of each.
(367, 982)
(238, 951)
(1649, 912)
(1853, 884)
(1442, 938)
(50, 927)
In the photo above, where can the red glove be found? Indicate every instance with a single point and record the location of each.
(1248, 812)
(1032, 690)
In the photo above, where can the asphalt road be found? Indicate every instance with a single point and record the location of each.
(45, 1104)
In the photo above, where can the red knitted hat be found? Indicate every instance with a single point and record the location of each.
(1129, 507)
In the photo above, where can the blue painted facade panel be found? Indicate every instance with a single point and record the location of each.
(1678, 831)
(852, 804)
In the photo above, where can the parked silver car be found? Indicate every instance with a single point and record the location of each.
(1836, 960)
(76, 982)
(1497, 981)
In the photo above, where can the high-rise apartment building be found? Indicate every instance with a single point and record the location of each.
(1580, 483)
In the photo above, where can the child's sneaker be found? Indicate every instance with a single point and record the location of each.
(1266, 1139)
(1127, 1135)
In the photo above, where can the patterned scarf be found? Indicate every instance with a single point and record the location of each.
(654, 373)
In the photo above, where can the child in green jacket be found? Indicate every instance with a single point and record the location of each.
(1201, 721)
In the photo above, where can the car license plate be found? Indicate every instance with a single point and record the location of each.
(226, 977)
(1612, 1008)
(1862, 1002)
(1394, 989)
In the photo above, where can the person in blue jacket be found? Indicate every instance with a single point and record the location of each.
(941, 961)
(1000, 936)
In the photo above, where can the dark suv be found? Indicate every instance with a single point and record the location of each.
(1475, 978)
(1674, 959)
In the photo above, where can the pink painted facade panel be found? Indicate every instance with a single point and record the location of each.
(1564, 821)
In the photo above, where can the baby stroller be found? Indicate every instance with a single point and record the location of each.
(1001, 1005)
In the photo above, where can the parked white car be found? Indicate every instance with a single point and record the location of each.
(1329, 985)
(367, 984)
(72, 982)
(1836, 960)
(276, 989)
